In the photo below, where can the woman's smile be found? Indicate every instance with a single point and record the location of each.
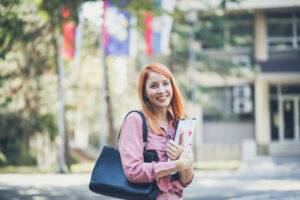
(162, 98)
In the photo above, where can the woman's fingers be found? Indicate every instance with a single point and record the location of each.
(173, 150)
(170, 147)
(170, 152)
(172, 143)
(176, 146)
(172, 155)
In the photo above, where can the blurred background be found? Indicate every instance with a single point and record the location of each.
(69, 72)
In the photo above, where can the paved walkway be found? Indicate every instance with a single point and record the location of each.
(260, 178)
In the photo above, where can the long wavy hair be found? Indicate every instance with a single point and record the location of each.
(176, 106)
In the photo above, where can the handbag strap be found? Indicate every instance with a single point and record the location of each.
(145, 128)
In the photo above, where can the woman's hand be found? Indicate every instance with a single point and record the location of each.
(185, 161)
(173, 150)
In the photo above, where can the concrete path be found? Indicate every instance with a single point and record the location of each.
(260, 178)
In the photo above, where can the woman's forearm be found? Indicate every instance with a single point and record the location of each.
(178, 167)
(183, 165)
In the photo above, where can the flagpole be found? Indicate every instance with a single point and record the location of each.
(78, 38)
(103, 92)
(61, 118)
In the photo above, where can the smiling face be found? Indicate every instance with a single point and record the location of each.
(158, 90)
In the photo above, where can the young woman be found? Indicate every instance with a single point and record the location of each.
(162, 104)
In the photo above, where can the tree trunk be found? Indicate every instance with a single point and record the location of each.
(56, 47)
(109, 108)
(67, 149)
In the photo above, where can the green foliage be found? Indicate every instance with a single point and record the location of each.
(94, 140)
(18, 153)
(223, 31)
(211, 31)
(74, 158)
(139, 8)
(15, 134)
(3, 159)
(54, 8)
(5, 102)
(47, 124)
(11, 25)
(14, 144)
(28, 52)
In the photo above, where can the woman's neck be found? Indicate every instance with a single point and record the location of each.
(161, 115)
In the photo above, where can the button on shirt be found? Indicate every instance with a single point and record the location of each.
(131, 152)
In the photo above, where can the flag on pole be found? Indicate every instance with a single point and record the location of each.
(69, 30)
(116, 30)
(157, 34)
(148, 18)
(158, 29)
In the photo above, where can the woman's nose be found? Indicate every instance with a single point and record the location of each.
(160, 88)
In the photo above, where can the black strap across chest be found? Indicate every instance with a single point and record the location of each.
(145, 127)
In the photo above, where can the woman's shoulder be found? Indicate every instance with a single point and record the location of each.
(132, 123)
(133, 116)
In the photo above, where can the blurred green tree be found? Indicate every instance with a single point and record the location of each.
(29, 33)
(29, 37)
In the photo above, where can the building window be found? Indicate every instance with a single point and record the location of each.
(225, 31)
(242, 102)
(290, 89)
(228, 103)
(283, 31)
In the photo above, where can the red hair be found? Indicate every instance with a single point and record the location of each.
(176, 104)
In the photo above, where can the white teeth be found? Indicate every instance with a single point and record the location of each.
(161, 98)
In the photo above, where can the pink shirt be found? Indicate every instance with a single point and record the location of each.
(135, 169)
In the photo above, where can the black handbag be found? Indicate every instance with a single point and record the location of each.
(108, 177)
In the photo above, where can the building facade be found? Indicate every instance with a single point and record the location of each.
(264, 37)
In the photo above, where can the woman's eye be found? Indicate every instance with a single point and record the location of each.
(166, 83)
(152, 86)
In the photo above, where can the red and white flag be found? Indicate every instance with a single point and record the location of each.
(69, 31)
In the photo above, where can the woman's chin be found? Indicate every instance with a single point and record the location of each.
(162, 105)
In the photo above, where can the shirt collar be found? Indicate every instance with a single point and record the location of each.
(170, 118)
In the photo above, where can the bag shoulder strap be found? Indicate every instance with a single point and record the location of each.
(145, 128)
